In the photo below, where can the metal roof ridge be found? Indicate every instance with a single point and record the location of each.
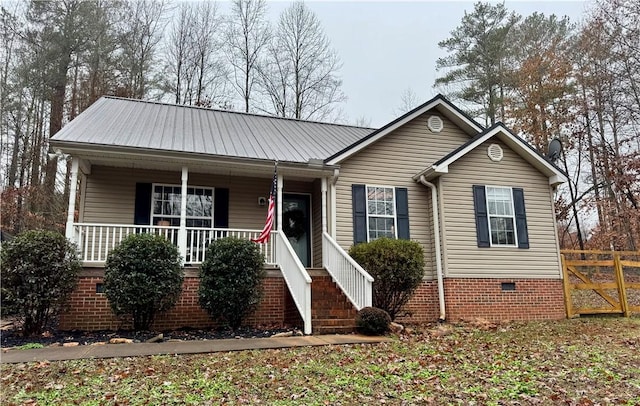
(242, 113)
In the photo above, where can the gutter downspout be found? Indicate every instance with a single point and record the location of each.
(436, 231)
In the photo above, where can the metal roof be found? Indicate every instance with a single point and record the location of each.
(133, 123)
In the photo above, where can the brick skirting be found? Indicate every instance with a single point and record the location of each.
(89, 310)
(466, 298)
(491, 299)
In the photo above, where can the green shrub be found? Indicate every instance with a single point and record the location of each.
(231, 280)
(143, 276)
(397, 267)
(39, 272)
(372, 321)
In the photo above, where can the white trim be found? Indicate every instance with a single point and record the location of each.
(512, 217)
(323, 191)
(213, 194)
(310, 195)
(332, 215)
(182, 233)
(279, 186)
(515, 144)
(71, 209)
(436, 103)
(395, 210)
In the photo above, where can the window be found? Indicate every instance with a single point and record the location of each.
(166, 201)
(381, 213)
(502, 219)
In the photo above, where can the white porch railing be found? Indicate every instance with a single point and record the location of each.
(96, 240)
(296, 277)
(354, 281)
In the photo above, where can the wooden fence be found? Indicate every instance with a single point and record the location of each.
(601, 282)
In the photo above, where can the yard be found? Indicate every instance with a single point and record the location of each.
(573, 362)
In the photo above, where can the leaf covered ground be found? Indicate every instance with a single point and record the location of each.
(572, 362)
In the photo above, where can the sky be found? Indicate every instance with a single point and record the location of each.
(388, 47)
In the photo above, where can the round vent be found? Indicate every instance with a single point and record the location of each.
(495, 152)
(435, 124)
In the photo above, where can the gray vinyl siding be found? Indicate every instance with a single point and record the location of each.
(110, 194)
(109, 197)
(392, 161)
(464, 258)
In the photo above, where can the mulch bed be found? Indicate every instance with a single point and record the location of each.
(10, 336)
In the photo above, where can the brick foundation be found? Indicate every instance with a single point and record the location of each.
(465, 298)
(532, 299)
(89, 310)
(423, 306)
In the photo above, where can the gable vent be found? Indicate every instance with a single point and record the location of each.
(435, 124)
(495, 152)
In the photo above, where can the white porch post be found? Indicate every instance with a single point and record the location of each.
(332, 191)
(279, 202)
(182, 232)
(73, 186)
(323, 188)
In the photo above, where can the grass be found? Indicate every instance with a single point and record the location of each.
(30, 346)
(573, 362)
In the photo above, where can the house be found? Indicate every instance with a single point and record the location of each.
(479, 201)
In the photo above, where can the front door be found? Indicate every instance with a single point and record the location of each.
(296, 224)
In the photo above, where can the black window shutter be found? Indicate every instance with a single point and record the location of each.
(221, 208)
(521, 218)
(359, 204)
(482, 219)
(142, 213)
(402, 212)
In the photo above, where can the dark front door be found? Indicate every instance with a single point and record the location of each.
(296, 224)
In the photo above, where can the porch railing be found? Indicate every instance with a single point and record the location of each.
(354, 281)
(296, 277)
(96, 240)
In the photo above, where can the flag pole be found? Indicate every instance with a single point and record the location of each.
(275, 192)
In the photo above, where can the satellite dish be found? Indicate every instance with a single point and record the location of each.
(555, 146)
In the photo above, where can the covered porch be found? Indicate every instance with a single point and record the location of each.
(192, 203)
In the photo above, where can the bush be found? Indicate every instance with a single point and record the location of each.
(372, 321)
(397, 267)
(39, 272)
(143, 276)
(231, 280)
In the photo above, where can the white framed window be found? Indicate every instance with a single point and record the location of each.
(166, 201)
(502, 219)
(381, 212)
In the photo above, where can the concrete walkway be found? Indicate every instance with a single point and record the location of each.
(178, 347)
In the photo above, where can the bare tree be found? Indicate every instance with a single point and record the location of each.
(247, 34)
(300, 74)
(195, 73)
(408, 101)
(141, 26)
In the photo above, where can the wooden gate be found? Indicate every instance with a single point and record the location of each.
(599, 282)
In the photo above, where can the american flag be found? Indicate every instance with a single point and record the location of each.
(263, 238)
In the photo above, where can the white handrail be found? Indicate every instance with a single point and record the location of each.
(95, 240)
(296, 277)
(355, 282)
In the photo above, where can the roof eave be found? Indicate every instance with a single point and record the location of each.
(73, 148)
(521, 147)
